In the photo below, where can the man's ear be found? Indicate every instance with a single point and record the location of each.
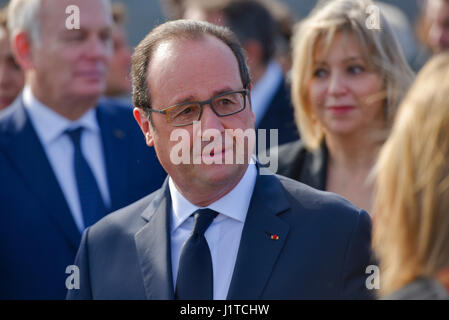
(21, 45)
(144, 125)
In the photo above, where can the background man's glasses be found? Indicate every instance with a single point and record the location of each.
(223, 105)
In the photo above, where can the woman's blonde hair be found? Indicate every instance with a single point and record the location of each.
(411, 208)
(379, 47)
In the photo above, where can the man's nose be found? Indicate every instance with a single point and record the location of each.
(99, 48)
(209, 120)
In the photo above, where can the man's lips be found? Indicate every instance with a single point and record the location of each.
(220, 152)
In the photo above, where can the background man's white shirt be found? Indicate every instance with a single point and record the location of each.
(264, 90)
(50, 128)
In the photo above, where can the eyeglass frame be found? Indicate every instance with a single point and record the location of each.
(245, 92)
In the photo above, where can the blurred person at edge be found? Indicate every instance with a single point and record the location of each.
(173, 9)
(258, 31)
(65, 159)
(411, 207)
(118, 82)
(212, 11)
(403, 31)
(347, 81)
(11, 75)
(433, 25)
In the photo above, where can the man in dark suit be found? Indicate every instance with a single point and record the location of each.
(216, 230)
(64, 161)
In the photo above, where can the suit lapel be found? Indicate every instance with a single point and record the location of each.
(153, 247)
(115, 153)
(28, 157)
(263, 238)
(264, 234)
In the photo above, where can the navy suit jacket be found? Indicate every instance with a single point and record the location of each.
(322, 251)
(38, 236)
(280, 115)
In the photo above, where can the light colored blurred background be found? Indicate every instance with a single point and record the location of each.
(143, 15)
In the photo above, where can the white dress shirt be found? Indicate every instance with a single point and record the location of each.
(9, 109)
(6, 111)
(50, 128)
(223, 235)
(264, 90)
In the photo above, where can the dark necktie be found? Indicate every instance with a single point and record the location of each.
(92, 204)
(195, 275)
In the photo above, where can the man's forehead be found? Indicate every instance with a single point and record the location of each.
(189, 64)
(199, 55)
(57, 10)
(178, 46)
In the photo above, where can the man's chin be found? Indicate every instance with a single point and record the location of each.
(217, 173)
(89, 93)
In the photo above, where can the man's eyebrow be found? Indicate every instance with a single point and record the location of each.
(191, 98)
(183, 100)
(224, 90)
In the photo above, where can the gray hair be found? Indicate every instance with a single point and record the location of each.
(23, 16)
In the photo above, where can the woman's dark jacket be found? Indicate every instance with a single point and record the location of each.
(296, 162)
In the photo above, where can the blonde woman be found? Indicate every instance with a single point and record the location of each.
(411, 234)
(347, 81)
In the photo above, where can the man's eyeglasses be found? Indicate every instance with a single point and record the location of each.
(223, 105)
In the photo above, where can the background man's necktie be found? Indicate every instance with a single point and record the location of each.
(195, 274)
(92, 204)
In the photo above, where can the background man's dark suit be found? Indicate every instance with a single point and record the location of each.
(322, 251)
(280, 115)
(38, 236)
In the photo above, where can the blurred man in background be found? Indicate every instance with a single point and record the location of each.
(433, 27)
(65, 160)
(437, 14)
(402, 29)
(258, 32)
(11, 75)
(118, 83)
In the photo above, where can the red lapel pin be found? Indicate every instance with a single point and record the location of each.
(272, 236)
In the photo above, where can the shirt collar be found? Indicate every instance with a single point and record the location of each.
(49, 124)
(234, 205)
